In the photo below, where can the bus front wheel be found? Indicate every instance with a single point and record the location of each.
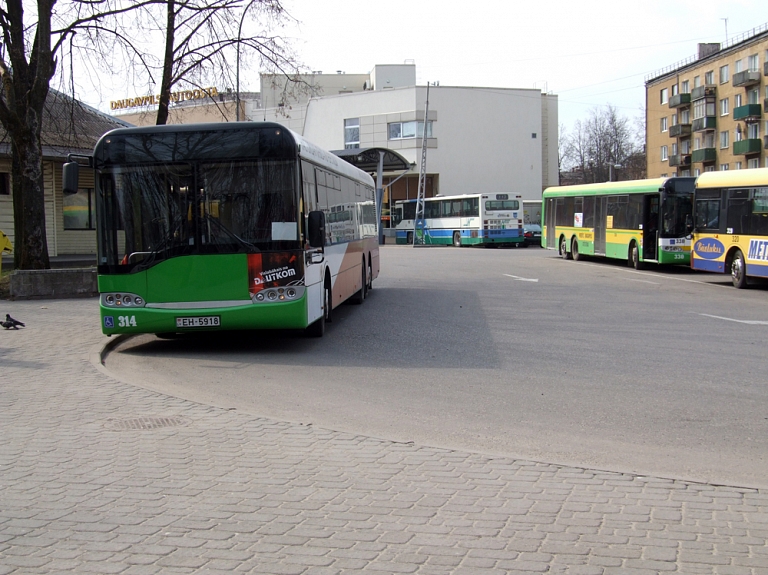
(738, 270)
(457, 239)
(564, 253)
(317, 329)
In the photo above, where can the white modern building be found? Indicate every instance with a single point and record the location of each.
(495, 140)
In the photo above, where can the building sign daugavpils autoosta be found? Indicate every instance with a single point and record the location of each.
(176, 97)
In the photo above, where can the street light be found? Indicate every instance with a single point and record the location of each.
(237, 67)
(612, 167)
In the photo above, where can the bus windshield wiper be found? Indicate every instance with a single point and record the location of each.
(244, 243)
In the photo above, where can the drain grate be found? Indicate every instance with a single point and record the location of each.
(145, 423)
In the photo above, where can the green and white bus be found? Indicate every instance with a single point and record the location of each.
(638, 221)
(226, 226)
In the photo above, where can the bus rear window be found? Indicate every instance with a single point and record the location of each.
(497, 205)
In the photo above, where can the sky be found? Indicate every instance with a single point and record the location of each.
(589, 53)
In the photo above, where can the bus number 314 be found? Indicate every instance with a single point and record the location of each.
(126, 320)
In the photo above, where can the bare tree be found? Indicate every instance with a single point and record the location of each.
(603, 147)
(44, 40)
(204, 37)
(28, 61)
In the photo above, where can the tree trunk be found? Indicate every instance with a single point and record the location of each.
(30, 250)
(166, 83)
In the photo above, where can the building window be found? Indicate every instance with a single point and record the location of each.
(697, 172)
(686, 173)
(664, 124)
(696, 81)
(685, 147)
(351, 133)
(696, 144)
(738, 165)
(685, 117)
(724, 74)
(406, 130)
(664, 95)
(709, 168)
(739, 133)
(709, 78)
(753, 131)
(5, 184)
(723, 167)
(685, 87)
(80, 210)
(753, 96)
(703, 108)
(674, 149)
(664, 153)
(674, 120)
(753, 163)
(709, 139)
(753, 63)
(739, 66)
(675, 89)
(724, 108)
(737, 100)
(724, 139)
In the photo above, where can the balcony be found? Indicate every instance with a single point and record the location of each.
(680, 160)
(749, 112)
(680, 100)
(702, 92)
(704, 155)
(680, 130)
(749, 146)
(705, 123)
(746, 78)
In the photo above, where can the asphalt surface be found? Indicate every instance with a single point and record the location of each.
(514, 353)
(99, 475)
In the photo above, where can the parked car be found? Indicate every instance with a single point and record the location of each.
(532, 235)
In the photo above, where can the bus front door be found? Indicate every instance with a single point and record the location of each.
(550, 220)
(650, 227)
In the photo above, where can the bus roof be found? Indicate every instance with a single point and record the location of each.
(625, 187)
(733, 178)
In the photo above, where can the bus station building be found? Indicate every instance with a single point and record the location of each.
(479, 139)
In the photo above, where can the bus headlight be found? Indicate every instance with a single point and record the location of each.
(121, 300)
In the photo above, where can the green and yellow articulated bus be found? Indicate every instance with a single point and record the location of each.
(731, 233)
(638, 221)
(226, 226)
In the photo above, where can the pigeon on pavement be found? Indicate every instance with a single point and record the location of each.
(11, 323)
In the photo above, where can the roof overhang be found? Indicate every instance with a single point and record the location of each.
(367, 159)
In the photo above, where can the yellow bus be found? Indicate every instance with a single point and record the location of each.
(731, 224)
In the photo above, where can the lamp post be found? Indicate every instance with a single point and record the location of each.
(612, 167)
(237, 66)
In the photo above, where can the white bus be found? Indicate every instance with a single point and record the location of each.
(465, 220)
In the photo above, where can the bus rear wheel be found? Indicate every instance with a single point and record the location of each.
(575, 250)
(564, 253)
(457, 239)
(634, 257)
(738, 270)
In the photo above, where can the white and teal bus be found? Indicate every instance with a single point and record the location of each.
(465, 220)
(226, 226)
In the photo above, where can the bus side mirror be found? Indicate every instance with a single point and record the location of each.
(71, 178)
(316, 229)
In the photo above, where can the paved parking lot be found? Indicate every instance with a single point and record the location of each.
(99, 476)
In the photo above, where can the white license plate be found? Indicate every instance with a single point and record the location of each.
(202, 321)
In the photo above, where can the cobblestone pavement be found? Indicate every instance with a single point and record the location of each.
(97, 476)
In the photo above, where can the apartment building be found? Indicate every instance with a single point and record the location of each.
(707, 113)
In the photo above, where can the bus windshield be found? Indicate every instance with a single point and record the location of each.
(677, 215)
(152, 212)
